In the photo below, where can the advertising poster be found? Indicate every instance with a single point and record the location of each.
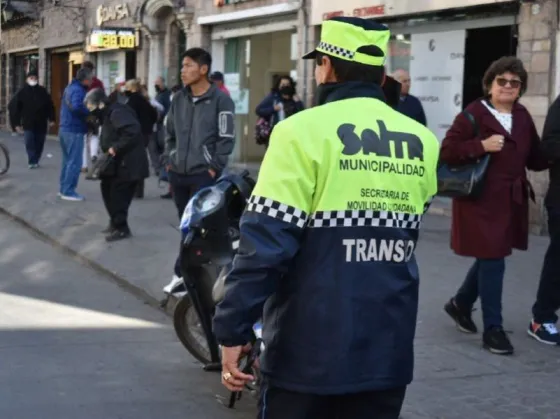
(436, 73)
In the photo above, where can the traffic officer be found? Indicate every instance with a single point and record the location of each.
(326, 254)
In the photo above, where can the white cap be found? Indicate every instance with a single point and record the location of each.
(119, 80)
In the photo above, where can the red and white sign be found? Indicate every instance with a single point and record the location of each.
(325, 9)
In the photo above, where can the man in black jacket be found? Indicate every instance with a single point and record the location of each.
(33, 110)
(543, 325)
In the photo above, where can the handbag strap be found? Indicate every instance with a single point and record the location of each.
(471, 119)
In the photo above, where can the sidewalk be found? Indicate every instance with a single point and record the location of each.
(454, 378)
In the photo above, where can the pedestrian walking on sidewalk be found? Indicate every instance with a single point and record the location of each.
(488, 227)
(32, 112)
(73, 128)
(543, 325)
(122, 139)
(200, 131)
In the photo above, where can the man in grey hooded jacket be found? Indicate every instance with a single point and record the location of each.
(200, 131)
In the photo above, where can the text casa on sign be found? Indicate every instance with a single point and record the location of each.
(110, 13)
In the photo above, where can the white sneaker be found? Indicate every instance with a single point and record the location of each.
(74, 197)
(176, 287)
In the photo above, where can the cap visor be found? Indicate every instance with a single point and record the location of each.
(310, 55)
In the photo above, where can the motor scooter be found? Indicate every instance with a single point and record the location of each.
(210, 228)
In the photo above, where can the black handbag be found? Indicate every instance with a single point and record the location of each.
(465, 180)
(105, 167)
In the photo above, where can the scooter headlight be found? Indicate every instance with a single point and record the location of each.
(208, 200)
(186, 218)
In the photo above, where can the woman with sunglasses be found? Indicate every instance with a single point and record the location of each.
(488, 227)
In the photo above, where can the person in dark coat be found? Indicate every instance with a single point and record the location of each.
(147, 116)
(281, 103)
(32, 111)
(543, 325)
(409, 105)
(121, 137)
(487, 228)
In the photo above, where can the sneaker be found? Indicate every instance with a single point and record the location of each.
(33, 166)
(74, 197)
(496, 341)
(462, 318)
(116, 235)
(545, 333)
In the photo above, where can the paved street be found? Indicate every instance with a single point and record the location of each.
(74, 345)
(95, 350)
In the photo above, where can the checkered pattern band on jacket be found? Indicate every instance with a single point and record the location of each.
(277, 210)
(364, 218)
(336, 51)
(322, 219)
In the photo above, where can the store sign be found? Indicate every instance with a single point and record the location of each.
(111, 13)
(326, 9)
(105, 39)
(436, 73)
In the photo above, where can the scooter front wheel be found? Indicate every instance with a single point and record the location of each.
(189, 330)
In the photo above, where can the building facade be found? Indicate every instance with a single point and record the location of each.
(448, 44)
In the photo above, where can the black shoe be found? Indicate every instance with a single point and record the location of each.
(168, 195)
(116, 235)
(462, 318)
(108, 229)
(496, 341)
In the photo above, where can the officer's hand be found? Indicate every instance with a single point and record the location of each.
(232, 377)
(212, 173)
(493, 144)
(277, 107)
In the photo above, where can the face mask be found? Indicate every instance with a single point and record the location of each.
(287, 90)
(158, 89)
(32, 82)
(122, 89)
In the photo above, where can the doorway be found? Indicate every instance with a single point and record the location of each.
(482, 47)
(59, 81)
(130, 65)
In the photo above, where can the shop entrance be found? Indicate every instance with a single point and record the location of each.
(482, 47)
(130, 65)
(58, 82)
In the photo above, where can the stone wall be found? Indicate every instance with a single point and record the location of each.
(536, 49)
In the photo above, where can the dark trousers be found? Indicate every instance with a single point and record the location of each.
(34, 144)
(548, 294)
(485, 279)
(276, 403)
(117, 196)
(184, 187)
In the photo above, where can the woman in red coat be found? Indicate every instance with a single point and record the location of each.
(489, 227)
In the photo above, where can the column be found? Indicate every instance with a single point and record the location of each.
(156, 63)
(535, 49)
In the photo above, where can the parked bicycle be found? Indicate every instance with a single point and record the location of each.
(4, 159)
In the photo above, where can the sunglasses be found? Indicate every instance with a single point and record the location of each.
(503, 82)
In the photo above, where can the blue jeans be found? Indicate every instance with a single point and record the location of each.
(484, 279)
(34, 144)
(72, 145)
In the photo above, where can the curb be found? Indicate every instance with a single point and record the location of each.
(112, 276)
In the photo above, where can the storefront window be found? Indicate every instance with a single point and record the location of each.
(399, 53)
(23, 64)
